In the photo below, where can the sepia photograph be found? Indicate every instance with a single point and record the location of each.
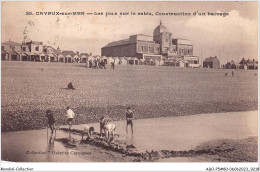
(158, 82)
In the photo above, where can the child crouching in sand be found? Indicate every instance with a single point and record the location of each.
(88, 130)
(109, 130)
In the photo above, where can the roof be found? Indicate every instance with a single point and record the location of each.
(66, 53)
(3, 52)
(34, 42)
(143, 35)
(123, 41)
(184, 41)
(210, 59)
(12, 43)
(84, 54)
(9, 52)
(159, 29)
(51, 54)
(55, 51)
(116, 43)
(60, 55)
(248, 61)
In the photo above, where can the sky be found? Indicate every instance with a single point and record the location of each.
(232, 37)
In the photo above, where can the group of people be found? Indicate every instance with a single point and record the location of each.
(52, 122)
(108, 128)
(97, 64)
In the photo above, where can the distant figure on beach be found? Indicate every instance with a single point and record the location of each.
(70, 116)
(103, 121)
(232, 73)
(113, 65)
(109, 130)
(129, 119)
(88, 130)
(70, 86)
(51, 120)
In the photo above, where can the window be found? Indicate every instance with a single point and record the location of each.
(158, 49)
(145, 49)
(142, 48)
(13, 48)
(2, 47)
(152, 49)
(37, 48)
(24, 48)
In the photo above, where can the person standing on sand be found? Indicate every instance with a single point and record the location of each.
(103, 121)
(51, 120)
(70, 116)
(129, 119)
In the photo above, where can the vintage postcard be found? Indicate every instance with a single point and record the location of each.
(131, 82)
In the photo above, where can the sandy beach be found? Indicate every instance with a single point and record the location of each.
(29, 90)
(190, 116)
(209, 138)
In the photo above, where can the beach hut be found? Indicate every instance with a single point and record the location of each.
(135, 60)
(141, 61)
(129, 60)
(68, 59)
(183, 63)
(151, 62)
(76, 58)
(104, 59)
(51, 57)
(68, 56)
(122, 61)
(110, 60)
(61, 58)
(116, 60)
(157, 62)
(98, 58)
(83, 58)
(90, 58)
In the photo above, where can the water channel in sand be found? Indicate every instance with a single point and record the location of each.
(169, 133)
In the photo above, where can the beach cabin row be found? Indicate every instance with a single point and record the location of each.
(124, 60)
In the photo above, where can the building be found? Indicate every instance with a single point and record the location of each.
(69, 56)
(160, 46)
(211, 62)
(36, 51)
(83, 57)
(231, 65)
(139, 46)
(14, 51)
(248, 64)
(51, 54)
